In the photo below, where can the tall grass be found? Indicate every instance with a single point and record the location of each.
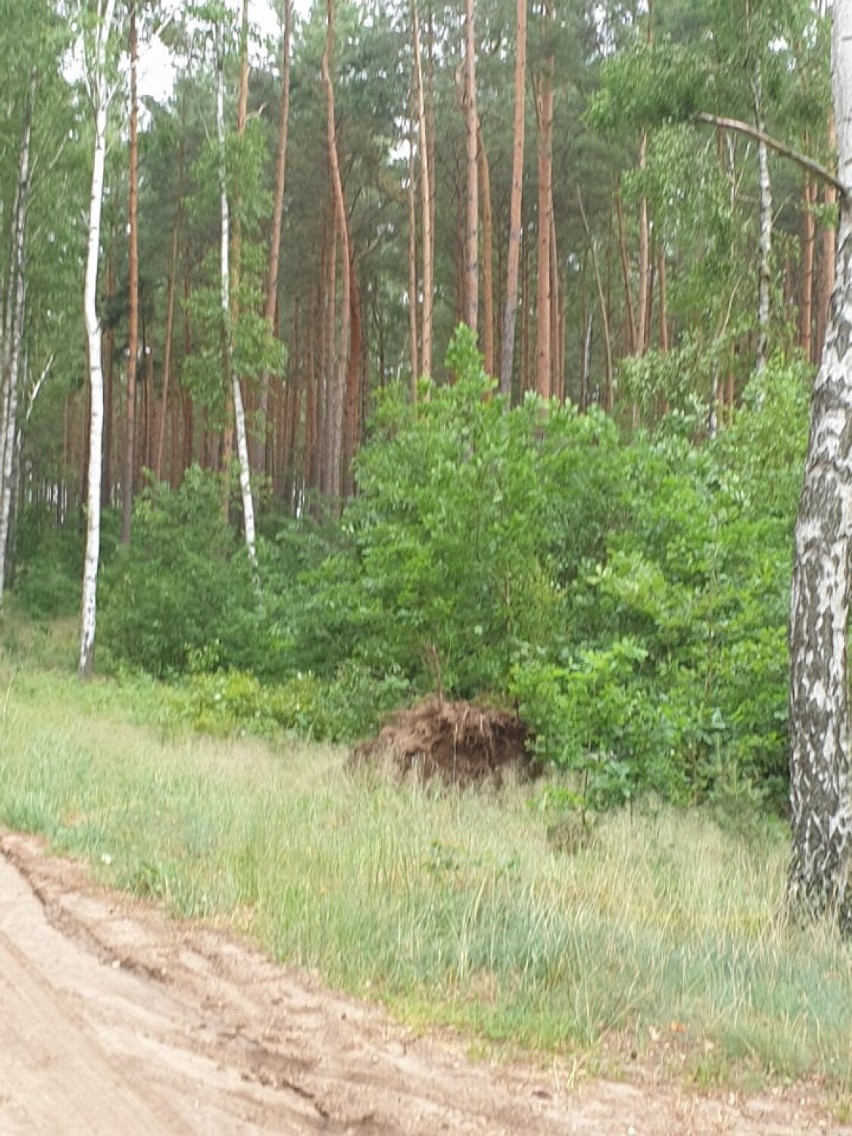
(660, 939)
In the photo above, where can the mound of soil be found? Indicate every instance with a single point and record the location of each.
(459, 743)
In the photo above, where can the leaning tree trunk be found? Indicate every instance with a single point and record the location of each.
(93, 335)
(820, 771)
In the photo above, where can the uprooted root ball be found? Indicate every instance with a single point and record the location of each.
(458, 742)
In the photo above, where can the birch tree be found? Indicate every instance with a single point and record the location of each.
(225, 297)
(819, 884)
(98, 83)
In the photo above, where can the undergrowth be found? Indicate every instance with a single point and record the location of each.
(660, 935)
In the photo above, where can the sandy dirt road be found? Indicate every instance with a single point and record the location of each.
(116, 1021)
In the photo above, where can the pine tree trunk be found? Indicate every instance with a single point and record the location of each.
(341, 356)
(806, 305)
(544, 294)
(510, 313)
(14, 337)
(471, 274)
(133, 292)
(820, 743)
(411, 197)
(258, 436)
(426, 202)
(487, 259)
(93, 338)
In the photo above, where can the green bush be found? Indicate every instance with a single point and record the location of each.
(182, 593)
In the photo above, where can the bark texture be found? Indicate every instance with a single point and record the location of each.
(100, 96)
(818, 884)
(510, 313)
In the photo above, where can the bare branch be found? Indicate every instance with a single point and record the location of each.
(802, 160)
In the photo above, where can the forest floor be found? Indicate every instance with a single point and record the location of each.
(116, 1018)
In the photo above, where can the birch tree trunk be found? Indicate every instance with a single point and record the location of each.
(820, 772)
(764, 279)
(510, 314)
(14, 335)
(99, 90)
(227, 328)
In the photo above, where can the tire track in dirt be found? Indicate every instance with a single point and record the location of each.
(115, 1019)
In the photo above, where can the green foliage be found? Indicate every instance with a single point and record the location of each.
(183, 588)
(467, 524)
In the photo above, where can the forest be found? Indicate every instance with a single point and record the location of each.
(390, 348)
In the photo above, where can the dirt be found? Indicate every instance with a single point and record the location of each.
(459, 743)
(116, 1019)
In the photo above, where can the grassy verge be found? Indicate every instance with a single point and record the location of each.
(660, 940)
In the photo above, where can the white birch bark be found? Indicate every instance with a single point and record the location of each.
(16, 304)
(227, 330)
(820, 772)
(100, 96)
(764, 280)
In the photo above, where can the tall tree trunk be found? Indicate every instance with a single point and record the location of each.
(625, 272)
(341, 363)
(258, 447)
(806, 304)
(412, 272)
(14, 345)
(471, 243)
(764, 279)
(544, 295)
(487, 259)
(428, 270)
(133, 291)
(510, 313)
(100, 96)
(820, 736)
(828, 253)
(225, 293)
(167, 345)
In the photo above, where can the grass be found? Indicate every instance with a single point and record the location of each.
(661, 938)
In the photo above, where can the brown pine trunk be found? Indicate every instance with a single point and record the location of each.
(167, 346)
(827, 259)
(341, 361)
(412, 273)
(109, 383)
(487, 259)
(544, 292)
(426, 200)
(133, 294)
(507, 347)
(630, 320)
(471, 243)
(257, 437)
